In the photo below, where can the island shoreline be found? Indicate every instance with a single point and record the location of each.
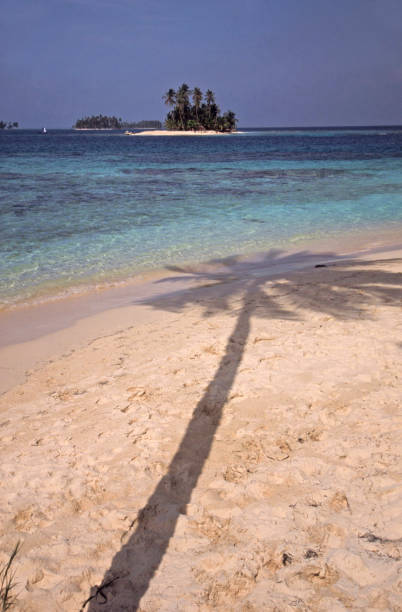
(182, 133)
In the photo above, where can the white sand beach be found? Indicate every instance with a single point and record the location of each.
(180, 133)
(234, 443)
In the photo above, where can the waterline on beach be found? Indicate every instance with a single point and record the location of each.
(81, 284)
(83, 210)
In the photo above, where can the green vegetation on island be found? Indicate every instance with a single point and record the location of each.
(128, 125)
(9, 125)
(98, 122)
(200, 115)
(103, 122)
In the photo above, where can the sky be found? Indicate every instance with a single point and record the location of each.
(273, 62)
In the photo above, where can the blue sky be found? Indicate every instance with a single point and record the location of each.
(274, 62)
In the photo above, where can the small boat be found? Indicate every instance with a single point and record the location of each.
(44, 131)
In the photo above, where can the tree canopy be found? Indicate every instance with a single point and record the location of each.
(200, 115)
(103, 122)
(98, 122)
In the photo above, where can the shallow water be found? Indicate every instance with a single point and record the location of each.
(89, 207)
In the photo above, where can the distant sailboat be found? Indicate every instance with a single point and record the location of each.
(44, 131)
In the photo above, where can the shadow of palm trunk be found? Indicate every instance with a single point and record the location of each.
(134, 566)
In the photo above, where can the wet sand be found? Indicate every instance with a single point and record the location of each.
(229, 437)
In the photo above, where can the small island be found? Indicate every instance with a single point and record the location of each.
(104, 122)
(98, 122)
(203, 115)
(201, 118)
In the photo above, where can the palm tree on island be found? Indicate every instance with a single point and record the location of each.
(197, 99)
(170, 97)
(200, 116)
(183, 103)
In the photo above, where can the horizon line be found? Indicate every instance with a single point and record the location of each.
(260, 127)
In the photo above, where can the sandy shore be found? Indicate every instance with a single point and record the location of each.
(234, 443)
(180, 133)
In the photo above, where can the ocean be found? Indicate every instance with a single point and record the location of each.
(80, 209)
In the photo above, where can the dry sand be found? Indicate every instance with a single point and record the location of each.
(241, 450)
(180, 133)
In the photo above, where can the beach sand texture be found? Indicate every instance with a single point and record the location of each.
(240, 452)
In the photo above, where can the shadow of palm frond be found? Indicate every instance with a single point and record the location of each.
(339, 288)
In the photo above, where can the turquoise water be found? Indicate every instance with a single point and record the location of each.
(88, 207)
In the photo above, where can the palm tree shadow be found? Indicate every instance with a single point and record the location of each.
(134, 566)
